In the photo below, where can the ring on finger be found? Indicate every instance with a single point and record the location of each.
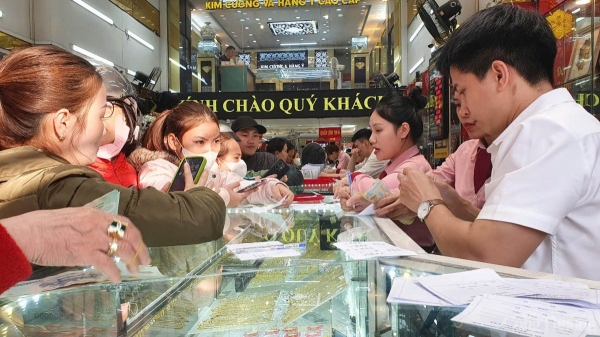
(116, 229)
(112, 247)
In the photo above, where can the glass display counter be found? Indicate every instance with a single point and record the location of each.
(205, 290)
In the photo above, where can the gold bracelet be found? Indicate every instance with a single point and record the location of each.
(136, 254)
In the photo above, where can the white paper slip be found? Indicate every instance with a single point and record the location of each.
(555, 291)
(371, 249)
(461, 288)
(370, 210)
(247, 255)
(409, 291)
(253, 245)
(108, 203)
(266, 208)
(528, 317)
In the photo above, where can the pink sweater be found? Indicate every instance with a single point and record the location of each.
(159, 173)
(418, 231)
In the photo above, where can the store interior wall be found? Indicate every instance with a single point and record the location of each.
(64, 23)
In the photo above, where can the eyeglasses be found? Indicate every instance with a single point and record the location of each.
(110, 110)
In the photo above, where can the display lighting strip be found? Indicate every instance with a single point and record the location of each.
(414, 36)
(131, 72)
(94, 11)
(176, 63)
(139, 39)
(298, 44)
(416, 65)
(92, 55)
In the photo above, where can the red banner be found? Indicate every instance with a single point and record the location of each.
(331, 134)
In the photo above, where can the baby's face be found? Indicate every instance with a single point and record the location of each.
(234, 154)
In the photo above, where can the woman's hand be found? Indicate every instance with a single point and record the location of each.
(280, 191)
(236, 198)
(342, 183)
(357, 203)
(76, 237)
(189, 179)
(416, 187)
(394, 209)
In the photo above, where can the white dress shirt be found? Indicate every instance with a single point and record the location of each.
(546, 176)
(372, 166)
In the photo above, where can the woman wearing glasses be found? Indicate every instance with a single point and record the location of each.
(122, 123)
(52, 110)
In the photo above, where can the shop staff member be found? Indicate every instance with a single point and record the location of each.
(340, 158)
(542, 202)
(371, 165)
(229, 54)
(248, 131)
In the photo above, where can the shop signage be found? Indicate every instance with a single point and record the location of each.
(331, 134)
(288, 59)
(286, 104)
(441, 150)
(243, 4)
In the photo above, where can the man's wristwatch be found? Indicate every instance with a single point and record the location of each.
(426, 207)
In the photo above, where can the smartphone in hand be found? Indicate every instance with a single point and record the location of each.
(280, 169)
(197, 165)
(254, 184)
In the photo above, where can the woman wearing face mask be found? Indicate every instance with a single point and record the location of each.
(122, 130)
(397, 128)
(192, 129)
(52, 107)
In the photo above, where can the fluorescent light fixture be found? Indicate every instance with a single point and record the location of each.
(416, 32)
(579, 19)
(298, 44)
(1, 14)
(576, 11)
(582, 2)
(92, 55)
(176, 63)
(348, 126)
(131, 72)
(416, 65)
(196, 76)
(139, 39)
(94, 11)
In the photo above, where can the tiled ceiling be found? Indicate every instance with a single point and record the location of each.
(248, 29)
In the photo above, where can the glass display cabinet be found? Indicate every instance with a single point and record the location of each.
(205, 290)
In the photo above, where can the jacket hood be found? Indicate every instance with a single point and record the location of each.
(141, 156)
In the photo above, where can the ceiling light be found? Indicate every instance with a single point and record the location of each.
(254, 41)
(269, 19)
(576, 11)
(257, 19)
(325, 17)
(1, 14)
(346, 47)
(323, 39)
(416, 32)
(139, 39)
(246, 27)
(579, 19)
(262, 26)
(324, 32)
(239, 11)
(92, 55)
(364, 6)
(339, 9)
(416, 65)
(340, 15)
(94, 10)
(301, 39)
(247, 46)
(250, 34)
(242, 20)
(277, 40)
(582, 2)
(222, 15)
(298, 44)
(244, 13)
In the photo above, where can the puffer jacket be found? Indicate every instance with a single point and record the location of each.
(157, 169)
(118, 172)
(33, 179)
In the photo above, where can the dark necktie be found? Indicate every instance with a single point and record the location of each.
(483, 169)
(383, 174)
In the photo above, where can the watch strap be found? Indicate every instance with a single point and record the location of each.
(433, 203)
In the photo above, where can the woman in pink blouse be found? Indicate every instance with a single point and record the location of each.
(396, 128)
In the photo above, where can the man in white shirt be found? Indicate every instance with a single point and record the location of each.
(370, 165)
(543, 199)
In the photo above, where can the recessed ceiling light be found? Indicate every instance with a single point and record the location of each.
(249, 47)
(257, 19)
(339, 9)
(298, 18)
(242, 20)
(346, 47)
(244, 13)
(232, 32)
(325, 17)
(269, 19)
(363, 6)
(301, 39)
(250, 34)
(254, 41)
(222, 15)
(306, 10)
(239, 11)
(277, 40)
(324, 32)
(323, 39)
(246, 28)
(340, 15)
(262, 26)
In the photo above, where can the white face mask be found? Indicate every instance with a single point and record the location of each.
(238, 167)
(297, 161)
(111, 150)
